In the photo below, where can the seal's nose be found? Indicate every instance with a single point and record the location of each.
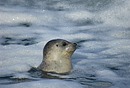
(75, 44)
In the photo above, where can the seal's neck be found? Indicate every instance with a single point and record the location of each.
(60, 65)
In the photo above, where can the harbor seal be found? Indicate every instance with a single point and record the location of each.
(57, 56)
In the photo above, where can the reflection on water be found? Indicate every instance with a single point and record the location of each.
(88, 80)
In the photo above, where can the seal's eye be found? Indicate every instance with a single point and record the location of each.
(57, 45)
(64, 44)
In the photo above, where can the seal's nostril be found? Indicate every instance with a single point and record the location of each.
(75, 44)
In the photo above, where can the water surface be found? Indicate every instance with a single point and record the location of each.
(100, 28)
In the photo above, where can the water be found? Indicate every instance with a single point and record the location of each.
(100, 28)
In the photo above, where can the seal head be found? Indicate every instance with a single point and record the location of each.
(57, 56)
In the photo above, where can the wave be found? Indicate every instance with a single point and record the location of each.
(74, 12)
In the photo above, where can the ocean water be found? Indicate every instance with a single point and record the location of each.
(101, 28)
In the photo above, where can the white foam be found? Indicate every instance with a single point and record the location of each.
(106, 73)
(117, 46)
(10, 17)
(45, 84)
(118, 14)
(15, 17)
(77, 36)
(79, 15)
(94, 57)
